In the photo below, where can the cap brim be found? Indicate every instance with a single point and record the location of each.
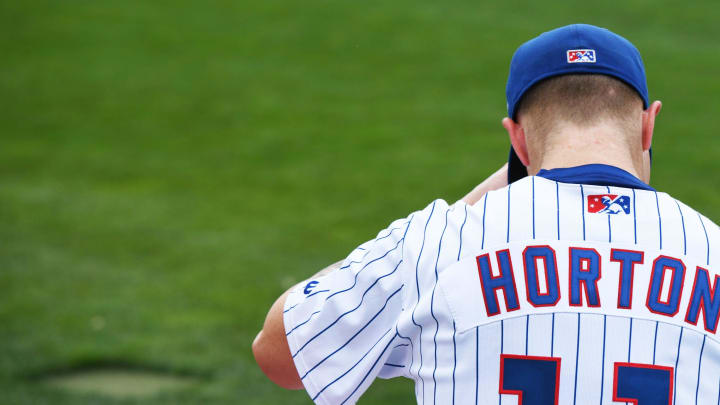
(516, 169)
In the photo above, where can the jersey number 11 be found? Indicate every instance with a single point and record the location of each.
(536, 381)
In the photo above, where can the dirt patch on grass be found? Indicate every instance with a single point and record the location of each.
(119, 382)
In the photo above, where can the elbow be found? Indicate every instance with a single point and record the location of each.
(279, 368)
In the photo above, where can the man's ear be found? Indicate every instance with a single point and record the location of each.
(517, 139)
(648, 123)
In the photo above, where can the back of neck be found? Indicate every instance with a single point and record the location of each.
(572, 147)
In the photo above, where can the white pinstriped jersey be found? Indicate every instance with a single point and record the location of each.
(541, 293)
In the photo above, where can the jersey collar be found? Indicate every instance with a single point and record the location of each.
(595, 174)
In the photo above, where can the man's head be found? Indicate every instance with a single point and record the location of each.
(582, 100)
(578, 92)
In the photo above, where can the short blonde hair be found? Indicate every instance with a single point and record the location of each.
(580, 99)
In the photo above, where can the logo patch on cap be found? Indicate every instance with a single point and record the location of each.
(581, 56)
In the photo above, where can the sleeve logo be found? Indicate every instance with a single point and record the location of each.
(310, 286)
(581, 56)
(608, 204)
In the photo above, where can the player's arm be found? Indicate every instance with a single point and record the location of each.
(270, 346)
(496, 181)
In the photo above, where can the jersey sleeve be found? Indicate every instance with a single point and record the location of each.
(340, 327)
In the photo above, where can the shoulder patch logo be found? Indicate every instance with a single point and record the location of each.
(309, 286)
(608, 204)
(581, 56)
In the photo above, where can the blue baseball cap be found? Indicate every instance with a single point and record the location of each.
(573, 49)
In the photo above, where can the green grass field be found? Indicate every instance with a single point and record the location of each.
(168, 168)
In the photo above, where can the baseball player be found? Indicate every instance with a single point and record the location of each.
(564, 278)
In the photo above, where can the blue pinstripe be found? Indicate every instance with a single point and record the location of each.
(630, 340)
(502, 350)
(354, 309)
(527, 332)
(461, 233)
(634, 217)
(316, 292)
(502, 336)
(577, 357)
(609, 227)
(557, 204)
(682, 219)
(533, 205)
(657, 203)
(454, 363)
(582, 208)
(363, 268)
(355, 261)
(352, 367)
(288, 310)
(477, 362)
(302, 323)
(412, 347)
(417, 285)
(432, 301)
(552, 336)
(602, 365)
(369, 371)
(351, 338)
(508, 214)
(697, 387)
(677, 360)
(376, 239)
(707, 240)
(655, 341)
(359, 304)
(482, 243)
(454, 329)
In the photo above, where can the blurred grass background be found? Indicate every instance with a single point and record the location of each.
(167, 168)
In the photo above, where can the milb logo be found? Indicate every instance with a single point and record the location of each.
(581, 56)
(610, 204)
